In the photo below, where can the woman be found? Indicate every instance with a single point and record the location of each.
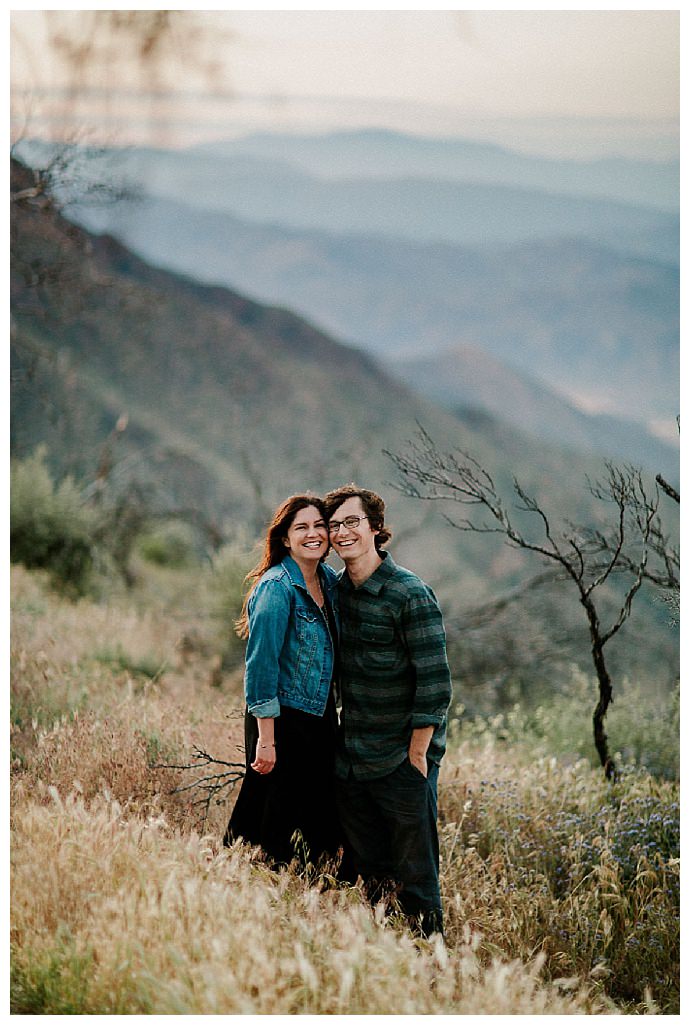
(286, 802)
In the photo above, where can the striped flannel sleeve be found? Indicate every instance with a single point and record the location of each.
(425, 638)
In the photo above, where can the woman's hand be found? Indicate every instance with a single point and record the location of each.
(265, 754)
(265, 758)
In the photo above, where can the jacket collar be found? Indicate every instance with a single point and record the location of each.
(297, 577)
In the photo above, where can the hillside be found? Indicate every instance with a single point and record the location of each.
(232, 405)
(138, 909)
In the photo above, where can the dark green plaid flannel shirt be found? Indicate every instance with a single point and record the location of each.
(394, 674)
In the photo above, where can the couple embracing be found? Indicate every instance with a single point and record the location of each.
(347, 687)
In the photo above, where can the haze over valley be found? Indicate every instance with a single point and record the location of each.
(536, 265)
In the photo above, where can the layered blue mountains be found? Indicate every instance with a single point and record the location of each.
(543, 292)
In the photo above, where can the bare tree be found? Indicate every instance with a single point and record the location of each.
(587, 557)
(85, 57)
(106, 57)
(663, 568)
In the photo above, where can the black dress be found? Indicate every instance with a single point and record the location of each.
(297, 796)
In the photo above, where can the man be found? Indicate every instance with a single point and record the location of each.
(395, 689)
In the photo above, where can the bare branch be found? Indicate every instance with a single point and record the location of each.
(216, 787)
(529, 504)
(670, 491)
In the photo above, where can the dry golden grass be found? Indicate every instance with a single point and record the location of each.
(128, 916)
(84, 713)
(121, 904)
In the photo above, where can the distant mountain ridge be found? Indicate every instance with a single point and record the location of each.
(572, 312)
(467, 213)
(588, 319)
(472, 213)
(378, 153)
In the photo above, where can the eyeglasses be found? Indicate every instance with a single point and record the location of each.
(350, 522)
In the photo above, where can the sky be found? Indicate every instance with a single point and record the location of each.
(578, 83)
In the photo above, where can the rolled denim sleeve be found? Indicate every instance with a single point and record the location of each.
(425, 638)
(269, 616)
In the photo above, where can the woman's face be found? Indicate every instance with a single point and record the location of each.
(307, 536)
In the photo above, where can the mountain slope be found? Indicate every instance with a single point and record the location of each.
(466, 377)
(230, 403)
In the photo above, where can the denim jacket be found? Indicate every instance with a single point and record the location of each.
(289, 657)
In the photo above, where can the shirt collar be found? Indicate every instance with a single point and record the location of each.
(377, 580)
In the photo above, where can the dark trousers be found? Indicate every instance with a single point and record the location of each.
(390, 824)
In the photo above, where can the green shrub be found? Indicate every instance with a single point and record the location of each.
(643, 727)
(169, 544)
(149, 666)
(53, 981)
(50, 528)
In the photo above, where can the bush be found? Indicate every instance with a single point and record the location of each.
(643, 727)
(49, 526)
(149, 666)
(170, 545)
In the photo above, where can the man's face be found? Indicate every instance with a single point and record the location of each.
(352, 541)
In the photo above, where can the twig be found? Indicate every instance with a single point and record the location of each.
(211, 785)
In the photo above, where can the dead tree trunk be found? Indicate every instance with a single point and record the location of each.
(601, 740)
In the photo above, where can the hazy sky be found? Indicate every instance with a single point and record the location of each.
(537, 79)
(622, 64)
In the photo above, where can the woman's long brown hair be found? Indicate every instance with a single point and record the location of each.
(274, 550)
